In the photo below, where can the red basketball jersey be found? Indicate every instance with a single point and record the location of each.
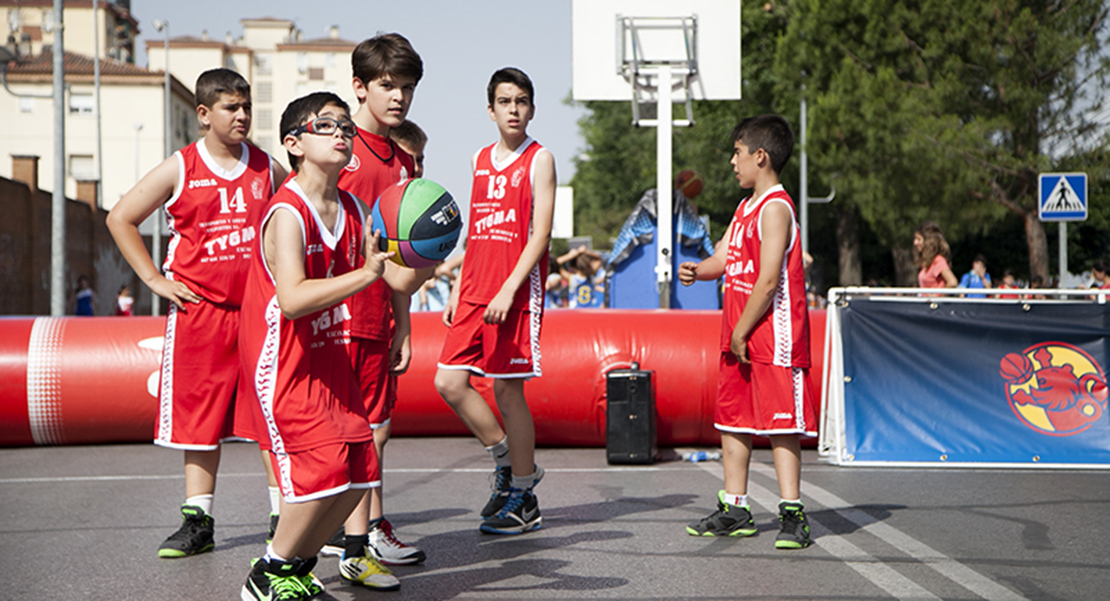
(500, 222)
(376, 164)
(299, 369)
(781, 336)
(212, 218)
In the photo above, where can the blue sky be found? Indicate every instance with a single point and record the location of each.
(462, 44)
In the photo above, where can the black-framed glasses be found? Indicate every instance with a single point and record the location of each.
(326, 126)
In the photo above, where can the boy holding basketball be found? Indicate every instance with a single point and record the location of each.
(212, 192)
(496, 309)
(386, 70)
(763, 387)
(313, 255)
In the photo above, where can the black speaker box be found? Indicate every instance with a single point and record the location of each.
(630, 416)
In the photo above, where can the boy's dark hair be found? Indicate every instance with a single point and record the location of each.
(979, 259)
(409, 134)
(214, 82)
(1099, 265)
(514, 76)
(771, 133)
(386, 54)
(300, 110)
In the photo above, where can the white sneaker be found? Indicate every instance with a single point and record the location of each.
(385, 547)
(366, 570)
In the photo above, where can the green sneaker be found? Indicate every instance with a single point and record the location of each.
(728, 520)
(794, 533)
(196, 535)
(275, 581)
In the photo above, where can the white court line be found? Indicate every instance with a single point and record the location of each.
(935, 560)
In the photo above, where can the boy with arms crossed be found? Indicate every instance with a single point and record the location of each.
(294, 338)
(496, 308)
(386, 70)
(763, 387)
(212, 192)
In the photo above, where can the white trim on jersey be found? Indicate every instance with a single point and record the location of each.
(179, 186)
(262, 227)
(330, 237)
(237, 171)
(800, 431)
(780, 319)
(498, 165)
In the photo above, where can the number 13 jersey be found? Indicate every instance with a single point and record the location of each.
(501, 206)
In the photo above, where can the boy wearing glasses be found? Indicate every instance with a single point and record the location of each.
(315, 253)
(386, 70)
(212, 192)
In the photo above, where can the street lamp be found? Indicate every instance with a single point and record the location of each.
(156, 236)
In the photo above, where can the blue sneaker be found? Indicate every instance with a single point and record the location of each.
(519, 514)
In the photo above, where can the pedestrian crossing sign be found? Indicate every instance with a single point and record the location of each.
(1062, 196)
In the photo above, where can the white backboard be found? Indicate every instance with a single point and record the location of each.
(562, 223)
(598, 46)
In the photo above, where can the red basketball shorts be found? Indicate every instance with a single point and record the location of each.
(326, 470)
(763, 399)
(510, 349)
(370, 364)
(199, 378)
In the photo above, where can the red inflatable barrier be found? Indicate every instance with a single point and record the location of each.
(94, 380)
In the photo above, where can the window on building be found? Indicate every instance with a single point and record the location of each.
(329, 60)
(80, 104)
(82, 167)
(315, 73)
(264, 119)
(264, 92)
(302, 62)
(263, 64)
(26, 105)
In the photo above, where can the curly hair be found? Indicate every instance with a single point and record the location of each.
(934, 245)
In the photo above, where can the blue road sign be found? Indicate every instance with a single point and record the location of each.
(1062, 196)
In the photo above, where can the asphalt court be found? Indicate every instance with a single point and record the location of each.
(85, 522)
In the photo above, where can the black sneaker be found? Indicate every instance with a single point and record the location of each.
(335, 545)
(275, 581)
(273, 527)
(196, 535)
(728, 520)
(312, 586)
(500, 481)
(794, 525)
(519, 514)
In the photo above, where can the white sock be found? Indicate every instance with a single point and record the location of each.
(797, 501)
(739, 500)
(524, 482)
(500, 453)
(275, 499)
(202, 501)
(270, 555)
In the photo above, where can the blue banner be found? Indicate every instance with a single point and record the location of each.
(973, 382)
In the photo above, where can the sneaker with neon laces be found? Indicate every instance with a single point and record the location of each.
(501, 480)
(519, 514)
(794, 527)
(196, 535)
(335, 545)
(311, 584)
(385, 547)
(275, 581)
(369, 572)
(728, 520)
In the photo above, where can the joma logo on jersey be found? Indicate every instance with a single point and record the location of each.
(481, 172)
(740, 268)
(231, 239)
(494, 219)
(314, 248)
(330, 318)
(447, 214)
(202, 183)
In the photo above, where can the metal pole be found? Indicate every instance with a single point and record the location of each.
(58, 200)
(664, 199)
(1063, 252)
(156, 233)
(96, 104)
(803, 197)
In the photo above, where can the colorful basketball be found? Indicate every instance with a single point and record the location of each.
(417, 220)
(1015, 368)
(689, 182)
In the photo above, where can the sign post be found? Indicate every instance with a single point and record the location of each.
(1062, 197)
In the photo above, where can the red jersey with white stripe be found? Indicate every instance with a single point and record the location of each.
(212, 218)
(501, 206)
(376, 164)
(781, 336)
(299, 369)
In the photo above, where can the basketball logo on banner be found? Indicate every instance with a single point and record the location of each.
(1054, 388)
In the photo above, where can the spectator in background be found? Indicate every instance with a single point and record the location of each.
(1098, 272)
(124, 301)
(555, 289)
(978, 277)
(83, 301)
(436, 291)
(1008, 283)
(587, 279)
(931, 257)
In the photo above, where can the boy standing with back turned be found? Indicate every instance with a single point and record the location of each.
(495, 310)
(212, 192)
(763, 388)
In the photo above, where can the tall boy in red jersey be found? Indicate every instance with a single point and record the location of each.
(496, 308)
(763, 388)
(212, 192)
